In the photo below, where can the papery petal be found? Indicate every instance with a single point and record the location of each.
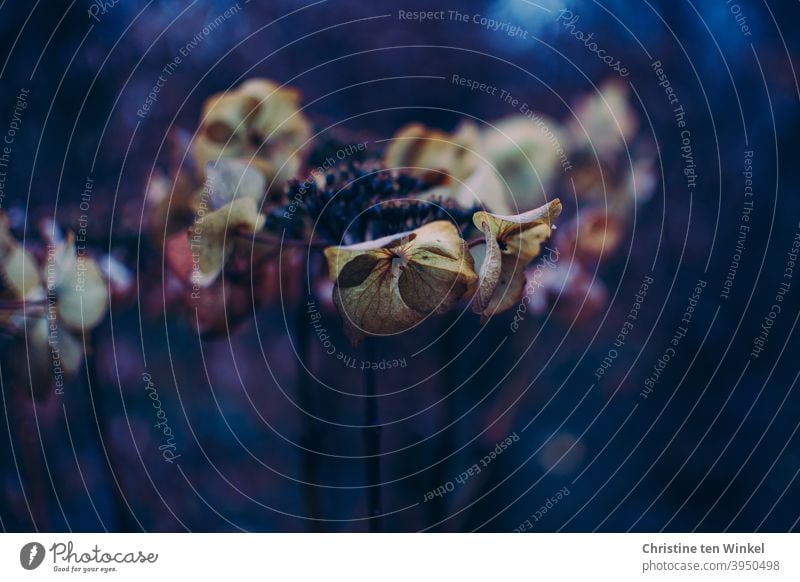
(489, 275)
(80, 288)
(227, 180)
(521, 233)
(519, 239)
(433, 154)
(527, 153)
(19, 274)
(213, 240)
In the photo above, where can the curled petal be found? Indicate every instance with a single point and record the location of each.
(519, 239)
(521, 233)
(510, 286)
(489, 273)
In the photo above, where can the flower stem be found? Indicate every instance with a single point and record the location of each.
(372, 443)
(123, 514)
(311, 436)
(35, 491)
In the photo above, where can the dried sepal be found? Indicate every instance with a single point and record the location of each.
(519, 238)
(521, 233)
(389, 285)
(212, 236)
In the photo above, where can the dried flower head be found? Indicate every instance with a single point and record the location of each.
(48, 315)
(259, 122)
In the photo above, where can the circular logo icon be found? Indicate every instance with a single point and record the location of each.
(31, 555)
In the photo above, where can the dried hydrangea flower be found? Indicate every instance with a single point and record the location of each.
(454, 162)
(519, 239)
(604, 122)
(259, 122)
(50, 312)
(527, 154)
(502, 168)
(389, 285)
(434, 154)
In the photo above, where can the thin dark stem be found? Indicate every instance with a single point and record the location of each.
(123, 516)
(311, 434)
(36, 492)
(372, 443)
(448, 441)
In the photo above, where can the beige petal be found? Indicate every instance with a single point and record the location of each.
(277, 116)
(211, 237)
(19, 273)
(519, 238)
(80, 289)
(227, 180)
(527, 154)
(605, 121)
(509, 288)
(521, 233)
(433, 154)
(489, 273)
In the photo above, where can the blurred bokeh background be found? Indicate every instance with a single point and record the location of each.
(713, 446)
